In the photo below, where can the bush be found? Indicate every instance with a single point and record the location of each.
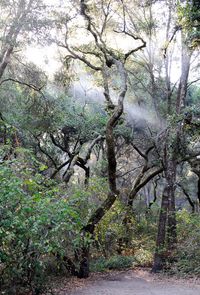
(34, 223)
(40, 226)
(120, 262)
(188, 250)
(98, 265)
(117, 262)
(144, 257)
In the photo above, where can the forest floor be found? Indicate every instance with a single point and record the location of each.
(130, 282)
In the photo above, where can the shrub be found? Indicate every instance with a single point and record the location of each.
(188, 250)
(98, 265)
(143, 257)
(117, 262)
(33, 224)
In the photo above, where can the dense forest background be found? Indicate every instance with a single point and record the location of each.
(99, 138)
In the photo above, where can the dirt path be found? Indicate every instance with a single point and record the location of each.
(135, 283)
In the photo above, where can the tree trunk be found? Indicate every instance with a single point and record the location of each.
(185, 68)
(5, 60)
(173, 146)
(84, 264)
(171, 152)
(112, 165)
(171, 180)
(159, 256)
(198, 188)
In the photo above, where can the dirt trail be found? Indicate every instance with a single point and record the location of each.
(136, 283)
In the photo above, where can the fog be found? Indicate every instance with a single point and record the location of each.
(136, 115)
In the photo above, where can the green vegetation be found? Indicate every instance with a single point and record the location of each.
(115, 262)
(188, 245)
(100, 159)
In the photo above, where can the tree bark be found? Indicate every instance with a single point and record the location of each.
(198, 188)
(159, 256)
(5, 60)
(185, 68)
(112, 165)
(171, 180)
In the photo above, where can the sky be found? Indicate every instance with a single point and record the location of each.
(46, 58)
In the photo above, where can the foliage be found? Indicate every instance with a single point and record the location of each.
(35, 222)
(188, 251)
(135, 237)
(117, 262)
(39, 221)
(110, 230)
(144, 257)
(189, 18)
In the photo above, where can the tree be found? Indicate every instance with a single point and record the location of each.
(171, 155)
(103, 60)
(19, 21)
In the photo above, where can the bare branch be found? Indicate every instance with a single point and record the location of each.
(81, 58)
(187, 196)
(58, 144)
(192, 82)
(106, 14)
(141, 184)
(139, 151)
(126, 55)
(59, 168)
(70, 170)
(25, 84)
(93, 143)
(46, 153)
(97, 36)
(176, 29)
